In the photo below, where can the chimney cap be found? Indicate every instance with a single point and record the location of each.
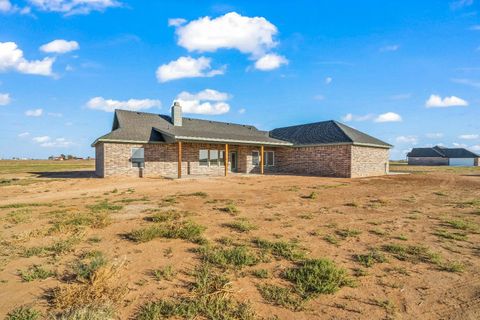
(176, 103)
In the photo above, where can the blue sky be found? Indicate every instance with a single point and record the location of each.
(407, 72)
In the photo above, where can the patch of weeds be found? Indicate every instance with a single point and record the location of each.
(370, 258)
(89, 312)
(241, 225)
(378, 232)
(102, 287)
(387, 305)
(331, 239)
(463, 225)
(170, 215)
(91, 262)
(236, 257)
(131, 200)
(199, 194)
(469, 204)
(186, 230)
(23, 313)
(281, 296)
(94, 239)
(347, 233)
(25, 205)
(261, 273)
(104, 205)
(452, 266)
(401, 237)
(306, 216)
(360, 272)
(168, 252)
(165, 273)
(19, 216)
(94, 219)
(312, 196)
(230, 208)
(35, 272)
(280, 249)
(413, 253)
(440, 194)
(460, 236)
(208, 298)
(169, 200)
(317, 276)
(56, 249)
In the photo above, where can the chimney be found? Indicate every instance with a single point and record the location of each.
(177, 114)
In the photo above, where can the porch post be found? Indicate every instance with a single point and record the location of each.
(261, 159)
(226, 159)
(179, 159)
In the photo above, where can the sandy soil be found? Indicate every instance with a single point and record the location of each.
(405, 209)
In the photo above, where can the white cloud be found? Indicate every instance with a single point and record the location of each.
(187, 67)
(72, 7)
(434, 135)
(11, 58)
(468, 82)
(351, 117)
(469, 136)
(60, 46)
(24, 134)
(5, 99)
(231, 31)
(57, 143)
(242, 110)
(435, 101)
(475, 147)
(175, 22)
(270, 61)
(388, 117)
(34, 113)
(328, 80)
(407, 139)
(41, 139)
(207, 101)
(459, 145)
(109, 105)
(6, 6)
(393, 47)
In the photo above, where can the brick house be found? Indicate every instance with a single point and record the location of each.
(441, 156)
(174, 146)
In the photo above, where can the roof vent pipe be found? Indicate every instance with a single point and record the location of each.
(177, 114)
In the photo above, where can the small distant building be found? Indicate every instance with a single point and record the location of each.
(440, 156)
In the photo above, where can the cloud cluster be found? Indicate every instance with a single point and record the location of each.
(469, 136)
(435, 101)
(34, 113)
(48, 142)
(187, 67)
(109, 105)
(73, 7)
(253, 36)
(208, 101)
(384, 117)
(393, 47)
(5, 99)
(407, 139)
(11, 58)
(60, 46)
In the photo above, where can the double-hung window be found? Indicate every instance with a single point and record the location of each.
(255, 158)
(269, 158)
(203, 157)
(138, 158)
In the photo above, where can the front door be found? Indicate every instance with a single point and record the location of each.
(233, 161)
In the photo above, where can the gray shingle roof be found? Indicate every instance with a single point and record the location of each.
(326, 132)
(145, 127)
(442, 152)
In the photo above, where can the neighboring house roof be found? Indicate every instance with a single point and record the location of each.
(142, 127)
(442, 152)
(326, 132)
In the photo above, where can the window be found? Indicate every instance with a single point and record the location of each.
(255, 158)
(221, 160)
(203, 157)
(213, 157)
(269, 159)
(138, 158)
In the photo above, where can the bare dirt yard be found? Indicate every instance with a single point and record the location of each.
(259, 247)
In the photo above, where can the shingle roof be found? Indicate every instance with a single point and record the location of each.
(145, 127)
(150, 127)
(442, 152)
(326, 132)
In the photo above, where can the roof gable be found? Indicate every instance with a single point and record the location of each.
(438, 151)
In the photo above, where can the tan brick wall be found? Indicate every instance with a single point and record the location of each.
(431, 161)
(328, 161)
(369, 161)
(99, 160)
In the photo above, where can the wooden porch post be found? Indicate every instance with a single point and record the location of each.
(261, 160)
(179, 159)
(226, 159)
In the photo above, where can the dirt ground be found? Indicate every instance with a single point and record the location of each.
(339, 219)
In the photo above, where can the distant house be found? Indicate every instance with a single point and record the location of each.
(175, 146)
(440, 156)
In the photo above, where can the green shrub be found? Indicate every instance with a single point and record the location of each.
(280, 249)
(85, 269)
(317, 276)
(413, 253)
(237, 256)
(89, 312)
(187, 230)
(35, 272)
(241, 225)
(346, 233)
(165, 273)
(230, 208)
(370, 258)
(261, 273)
(280, 296)
(23, 313)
